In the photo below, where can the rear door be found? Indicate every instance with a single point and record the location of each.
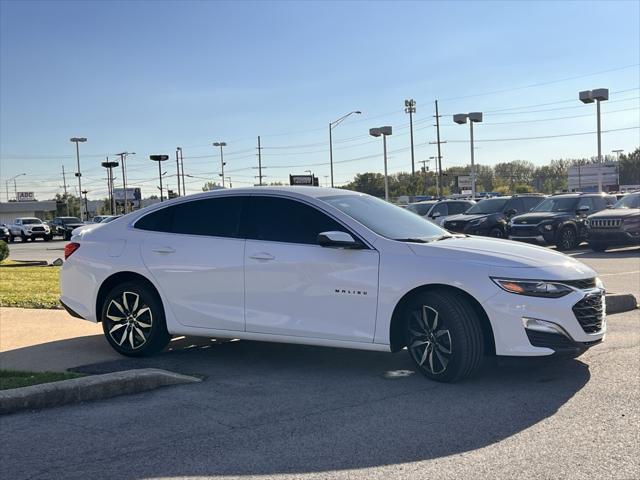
(295, 287)
(196, 256)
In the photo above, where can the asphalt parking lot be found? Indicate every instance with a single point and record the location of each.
(288, 411)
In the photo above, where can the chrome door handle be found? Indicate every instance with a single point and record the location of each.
(262, 256)
(163, 250)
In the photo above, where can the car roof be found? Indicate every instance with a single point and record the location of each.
(307, 191)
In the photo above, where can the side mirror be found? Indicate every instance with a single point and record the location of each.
(583, 209)
(511, 212)
(435, 215)
(338, 240)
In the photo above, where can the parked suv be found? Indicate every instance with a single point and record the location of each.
(63, 226)
(330, 267)
(489, 217)
(615, 227)
(559, 220)
(29, 228)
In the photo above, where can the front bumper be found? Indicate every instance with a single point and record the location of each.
(482, 229)
(615, 237)
(531, 233)
(507, 310)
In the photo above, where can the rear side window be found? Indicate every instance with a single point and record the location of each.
(215, 217)
(283, 220)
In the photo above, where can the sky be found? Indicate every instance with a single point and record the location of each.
(149, 76)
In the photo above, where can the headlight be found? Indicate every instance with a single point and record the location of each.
(478, 222)
(533, 288)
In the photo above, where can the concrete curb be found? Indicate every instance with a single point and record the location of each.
(93, 387)
(618, 303)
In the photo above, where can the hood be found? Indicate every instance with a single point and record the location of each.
(503, 254)
(616, 213)
(534, 218)
(462, 218)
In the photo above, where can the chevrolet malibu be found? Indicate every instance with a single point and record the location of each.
(327, 267)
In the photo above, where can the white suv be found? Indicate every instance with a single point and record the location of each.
(328, 267)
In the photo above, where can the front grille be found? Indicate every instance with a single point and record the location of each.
(590, 312)
(585, 284)
(524, 231)
(37, 229)
(605, 223)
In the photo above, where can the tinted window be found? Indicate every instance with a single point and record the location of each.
(440, 208)
(557, 204)
(282, 220)
(630, 201)
(517, 204)
(419, 208)
(216, 217)
(489, 205)
(586, 202)
(458, 207)
(599, 203)
(531, 202)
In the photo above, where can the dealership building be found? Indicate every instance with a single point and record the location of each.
(9, 211)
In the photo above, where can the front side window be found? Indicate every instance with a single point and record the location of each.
(440, 208)
(458, 207)
(531, 202)
(276, 219)
(215, 217)
(586, 202)
(517, 204)
(384, 218)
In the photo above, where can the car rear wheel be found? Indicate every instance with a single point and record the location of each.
(444, 338)
(23, 237)
(567, 239)
(133, 320)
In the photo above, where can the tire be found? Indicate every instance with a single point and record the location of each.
(598, 246)
(142, 322)
(23, 237)
(48, 238)
(496, 232)
(67, 235)
(11, 238)
(444, 338)
(567, 239)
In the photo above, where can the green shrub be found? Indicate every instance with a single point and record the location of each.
(4, 250)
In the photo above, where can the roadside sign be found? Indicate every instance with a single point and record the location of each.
(587, 177)
(464, 182)
(310, 180)
(26, 197)
(133, 194)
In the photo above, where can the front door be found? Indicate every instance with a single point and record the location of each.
(295, 287)
(195, 255)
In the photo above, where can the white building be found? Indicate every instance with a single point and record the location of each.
(9, 211)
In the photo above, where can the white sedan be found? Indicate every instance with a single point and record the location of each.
(328, 267)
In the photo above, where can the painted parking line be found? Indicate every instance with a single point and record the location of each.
(618, 273)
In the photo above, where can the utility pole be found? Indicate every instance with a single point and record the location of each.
(426, 179)
(410, 108)
(86, 203)
(64, 185)
(110, 166)
(439, 161)
(259, 162)
(77, 141)
(184, 188)
(123, 157)
(178, 168)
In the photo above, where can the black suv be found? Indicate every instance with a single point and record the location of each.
(63, 226)
(616, 227)
(559, 220)
(489, 216)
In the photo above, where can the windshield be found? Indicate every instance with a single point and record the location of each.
(558, 204)
(630, 201)
(490, 205)
(70, 219)
(384, 218)
(31, 221)
(420, 208)
(108, 219)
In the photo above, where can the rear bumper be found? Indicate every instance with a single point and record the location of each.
(70, 311)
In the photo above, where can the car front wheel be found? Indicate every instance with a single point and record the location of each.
(444, 338)
(133, 320)
(567, 239)
(496, 233)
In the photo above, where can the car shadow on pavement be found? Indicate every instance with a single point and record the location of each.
(267, 408)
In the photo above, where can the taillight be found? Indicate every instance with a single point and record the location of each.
(69, 248)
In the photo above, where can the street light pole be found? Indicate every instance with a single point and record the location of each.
(110, 166)
(77, 141)
(473, 117)
(160, 159)
(221, 144)
(383, 132)
(597, 95)
(123, 157)
(332, 125)
(15, 187)
(410, 108)
(178, 168)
